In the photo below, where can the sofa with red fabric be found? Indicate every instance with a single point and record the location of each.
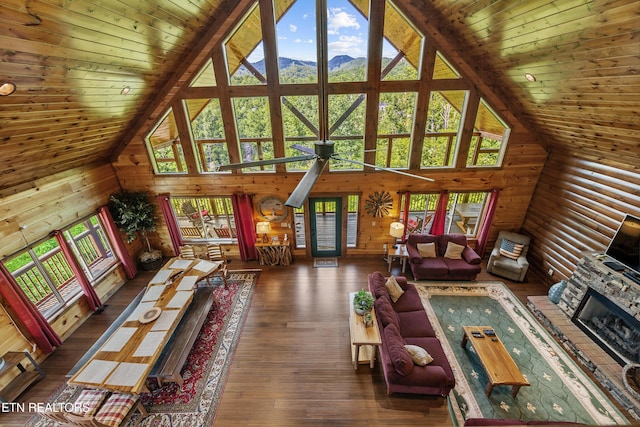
(443, 257)
(405, 322)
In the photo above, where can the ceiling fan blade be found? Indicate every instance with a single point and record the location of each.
(342, 159)
(303, 148)
(265, 162)
(302, 190)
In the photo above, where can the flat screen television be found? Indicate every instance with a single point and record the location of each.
(625, 245)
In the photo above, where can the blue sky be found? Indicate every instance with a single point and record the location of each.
(347, 32)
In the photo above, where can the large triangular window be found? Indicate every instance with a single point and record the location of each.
(357, 72)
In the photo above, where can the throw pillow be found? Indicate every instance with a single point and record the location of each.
(510, 249)
(454, 251)
(419, 355)
(427, 250)
(395, 291)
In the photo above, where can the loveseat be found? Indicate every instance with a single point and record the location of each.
(405, 322)
(443, 257)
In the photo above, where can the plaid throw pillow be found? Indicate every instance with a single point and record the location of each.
(510, 249)
(115, 409)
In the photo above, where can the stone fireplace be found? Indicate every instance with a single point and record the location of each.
(611, 327)
(598, 321)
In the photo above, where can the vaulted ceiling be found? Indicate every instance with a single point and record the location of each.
(71, 60)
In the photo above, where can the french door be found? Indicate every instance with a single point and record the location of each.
(325, 224)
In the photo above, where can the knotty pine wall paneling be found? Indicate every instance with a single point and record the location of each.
(52, 203)
(522, 166)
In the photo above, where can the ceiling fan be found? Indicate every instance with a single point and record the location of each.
(324, 151)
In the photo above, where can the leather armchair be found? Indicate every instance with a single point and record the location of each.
(504, 266)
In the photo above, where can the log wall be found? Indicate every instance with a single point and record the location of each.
(577, 206)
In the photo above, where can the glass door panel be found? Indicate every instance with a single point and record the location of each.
(325, 221)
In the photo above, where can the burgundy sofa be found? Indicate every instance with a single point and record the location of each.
(440, 267)
(406, 322)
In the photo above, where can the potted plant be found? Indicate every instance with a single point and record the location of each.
(362, 302)
(368, 319)
(133, 213)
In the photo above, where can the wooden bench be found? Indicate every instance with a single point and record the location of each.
(107, 334)
(18, 384)
(175, 353)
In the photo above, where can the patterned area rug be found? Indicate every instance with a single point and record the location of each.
(205, 371)
(559, 391)
(325, 262)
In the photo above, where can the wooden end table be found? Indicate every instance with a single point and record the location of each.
(497, 362)
(364, 341)
(398, 253)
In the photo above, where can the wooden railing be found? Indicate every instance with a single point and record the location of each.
(449, 145)
(59, 274)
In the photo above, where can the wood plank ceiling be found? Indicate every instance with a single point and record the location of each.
(71, 60)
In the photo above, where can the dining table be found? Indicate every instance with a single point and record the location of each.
(125, 359)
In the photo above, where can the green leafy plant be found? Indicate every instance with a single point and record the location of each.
(362, 301)
(133, 213)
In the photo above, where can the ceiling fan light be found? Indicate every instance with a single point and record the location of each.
(530, 77)
(125, 90)
(7, 88)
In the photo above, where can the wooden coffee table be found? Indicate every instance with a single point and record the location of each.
(497, 362)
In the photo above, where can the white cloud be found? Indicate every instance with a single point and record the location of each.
(340, 19)
(305, 16)
(293, 28)
(348, 45)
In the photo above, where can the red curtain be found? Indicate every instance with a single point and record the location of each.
(440, 216)
(81, 277)
(483, 236)
(170, 221)
(39, 329)
(113, 234)
(405, 214)
(246, 229)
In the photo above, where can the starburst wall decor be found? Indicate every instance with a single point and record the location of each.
(378, 204)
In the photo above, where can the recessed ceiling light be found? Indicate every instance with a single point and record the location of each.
(7, 88)
(530, 77)
(125, 90)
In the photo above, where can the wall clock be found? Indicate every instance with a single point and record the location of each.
(272, 209)
(378, 203)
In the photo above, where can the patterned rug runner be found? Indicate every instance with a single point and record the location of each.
(205, 371)
(559, 391)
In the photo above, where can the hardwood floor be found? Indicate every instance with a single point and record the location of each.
(293, 365)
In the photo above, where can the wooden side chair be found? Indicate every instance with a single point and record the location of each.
(192, 213)
(187, 252)
(216, 254)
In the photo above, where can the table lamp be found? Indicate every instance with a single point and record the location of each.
(397, 231)
(263, 228)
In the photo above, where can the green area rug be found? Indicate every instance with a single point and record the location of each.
(559, 391)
